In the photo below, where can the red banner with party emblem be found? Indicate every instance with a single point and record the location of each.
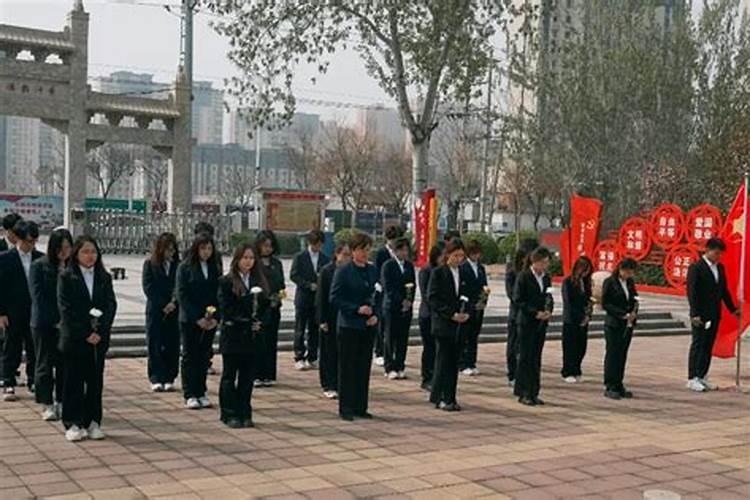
(581, 236)
(425, 226)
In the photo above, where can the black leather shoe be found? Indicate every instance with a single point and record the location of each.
(538, 401)
(457, 406)
(441, 405)
(526, 401)
(612, 395)
(625, 394)
(450, 407)
(248, 424)
(234, 423)
(366, 415)
(347, 417)
(426, 387)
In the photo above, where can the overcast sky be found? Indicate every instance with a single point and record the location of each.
(128, 35)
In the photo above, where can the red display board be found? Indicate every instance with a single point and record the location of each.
(703, 222)
(667, 225)
(676, 264)
(606, 255)
(635, 238)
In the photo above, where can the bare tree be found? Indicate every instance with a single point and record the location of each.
(301, 157)
(237, 185)
(156, 172)
(109, 163)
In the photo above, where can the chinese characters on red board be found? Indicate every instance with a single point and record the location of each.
(606, 256)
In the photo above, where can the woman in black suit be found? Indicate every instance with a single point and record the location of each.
(437, 258)
(243, 300)
(267, 248)
(533, 302)
(197, 284)
(398, 279)
(577, 310)
(162, 333)
(87, 304)
(446, 295)
(45, 317)
(353, 293)
(512, 270)
(620, 301)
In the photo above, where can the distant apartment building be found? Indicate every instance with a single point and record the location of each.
(381, 123)
(304, 126)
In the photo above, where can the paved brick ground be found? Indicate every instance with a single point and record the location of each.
(579, 445)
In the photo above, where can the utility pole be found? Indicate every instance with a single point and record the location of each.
(186, 40)
(486, 153)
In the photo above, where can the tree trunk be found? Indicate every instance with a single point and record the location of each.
(419, 156)
(353, 224)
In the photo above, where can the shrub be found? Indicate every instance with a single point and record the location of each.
(507, 244)
(490, 250)
(649, 274)
(555, 266)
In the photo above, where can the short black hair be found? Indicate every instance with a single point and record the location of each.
(451, 234)
(10, 220)
(716, 244)
(204, 228)
(473, 247)
(436, 252)
(340, 247)
(628, 264)
(540, 253)
(25, 229)
(316, 236)
(393, 232)
(402, 243)
(360, 240)
(454, 245)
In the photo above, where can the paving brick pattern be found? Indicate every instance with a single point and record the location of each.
(580, 445)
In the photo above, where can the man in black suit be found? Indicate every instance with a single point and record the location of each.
(383, 255)
(304, 274)
(399, 287)
(15, 306)
(706, 289)
(8, 241)
(475, 276)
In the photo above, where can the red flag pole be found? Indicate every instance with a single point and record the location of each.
(741, 299)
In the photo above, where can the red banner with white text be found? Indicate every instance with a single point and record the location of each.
(425, 226)
(581, 236)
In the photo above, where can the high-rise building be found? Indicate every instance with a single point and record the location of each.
(303, 125)
(21, 159)
(382, 124)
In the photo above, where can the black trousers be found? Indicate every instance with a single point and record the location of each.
(617, 340)
(305, 334)
(470, 340)
(82, 390)
(445, 380)
(196, 346)
(529, 369)
(511, 347)
(701, 345)
(329, 360)
(268, 348)
(18, 339)
(49, 373)
(574, 341)
(163, 339)
(396, 341)
(428, 350)
(355, 358)
(380, 330)
(236, 386)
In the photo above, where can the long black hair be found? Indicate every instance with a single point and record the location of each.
(161, 244)
(262, 237)
(437, 251)
(80, 241)
(193, 254)
(626, 263)
(255, 273)
(55, 243)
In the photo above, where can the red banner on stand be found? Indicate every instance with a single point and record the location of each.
(425, 226)
(606, 256)
(667, 225)
(581, 237)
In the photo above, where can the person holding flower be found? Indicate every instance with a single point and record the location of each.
(87, 304)
(266, 250)
(197, 285)
(532, 298)
(577, 312)
(244, 304)
(354, 294)
(475, 276)
(399, 279)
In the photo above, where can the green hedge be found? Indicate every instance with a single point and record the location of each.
(555, 266)
(649, 274)
(490, 251)
(507, 244)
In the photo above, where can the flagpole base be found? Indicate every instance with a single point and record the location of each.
(735, 389)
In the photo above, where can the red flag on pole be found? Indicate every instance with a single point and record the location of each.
(733, 234)
(585, 218)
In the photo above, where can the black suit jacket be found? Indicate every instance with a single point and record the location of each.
(705, 294)
(43, 283)
(529, 299)
(15, 296)
(158, 286)
(424, 284)
(3, 245)
(616, 303)
(195, 292)
(394, 286)
(510, 283)
(352, 288)
(475, 283)
(575, 301)
(445, 301)
(237, 316)
(325, 312)
(304, 275)
(75, 303)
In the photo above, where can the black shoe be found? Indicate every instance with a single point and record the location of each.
(348, 417)
(612, 394)
(426, 386)
(538, 401)
(450, 407)
(526, 401)
(366, 415)
(248, 423)
(234, 423)
(625, 394)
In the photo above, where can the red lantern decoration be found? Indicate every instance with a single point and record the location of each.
(703, 222)
(635, 238)
(676, 264)
(667, 225)
(606, 256)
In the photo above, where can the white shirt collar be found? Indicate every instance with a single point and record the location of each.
(245, 279)
(204, 268)
(624, 285)
(456, 278)
(714, 267)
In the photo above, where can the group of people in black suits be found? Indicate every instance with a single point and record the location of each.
(57, 311)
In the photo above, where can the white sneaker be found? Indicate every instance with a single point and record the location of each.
(695, 385)
(475, 371)
(579, 378)
(75, 434)
(311, 364)
(300, 365)
(708, 385)
(269, 383)
(168, 387)
(258, 383)
(392, 375)
(467, 371)
(193, 404)
(402, 375)
(157, 388)
(570, 380)
(9, 394)
(49, 414)
(204, 402)
(380, 361)
(330, 394)
(95, 432)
